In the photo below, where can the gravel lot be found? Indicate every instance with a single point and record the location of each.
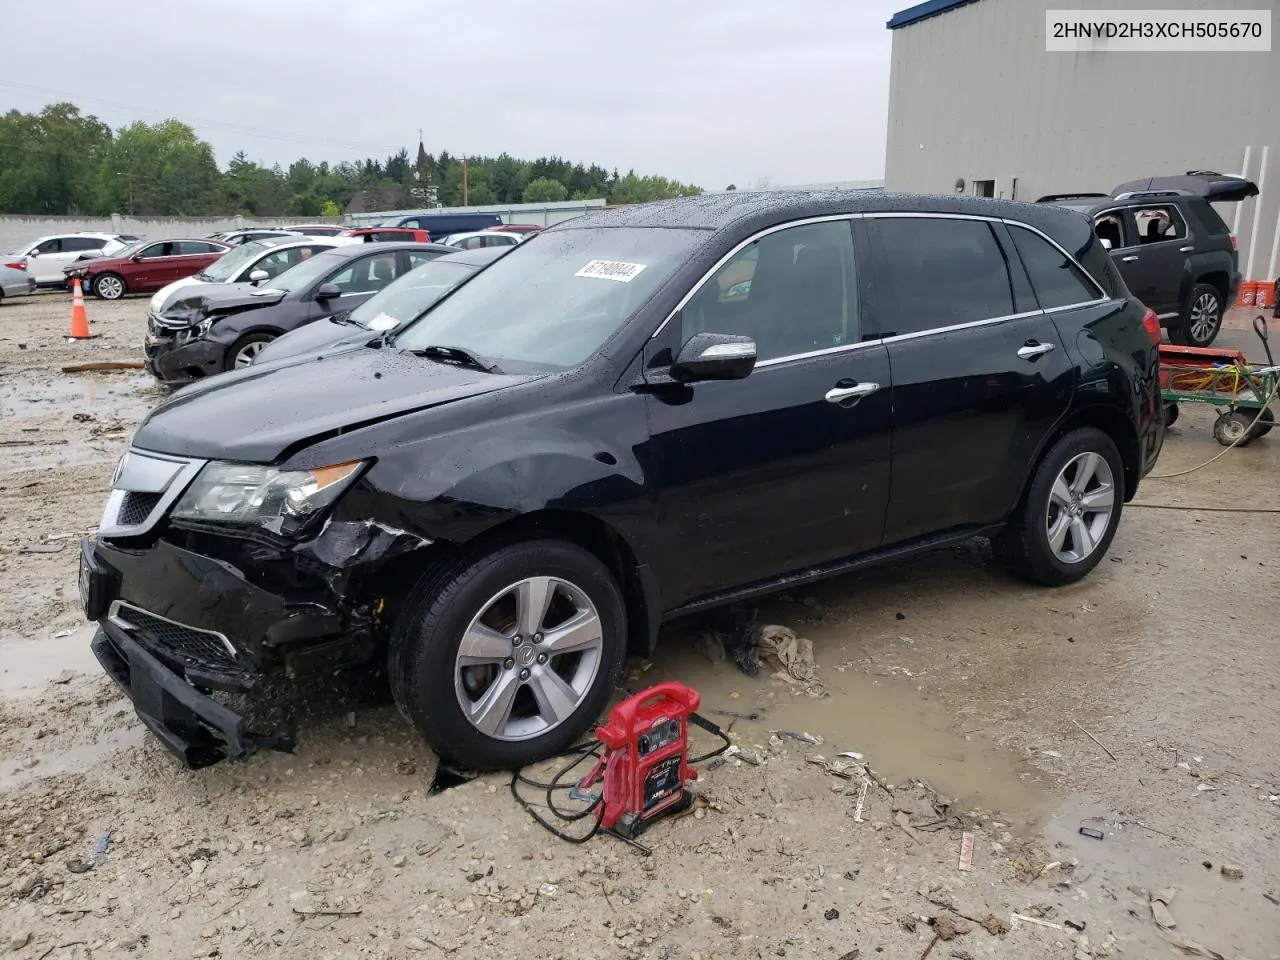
(938, 668)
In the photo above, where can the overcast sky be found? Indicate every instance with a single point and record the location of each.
(708, 91)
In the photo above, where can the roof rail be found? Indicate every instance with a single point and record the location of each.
(1136, 194)
(1050, 197)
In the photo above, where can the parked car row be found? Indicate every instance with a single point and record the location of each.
(636, 415)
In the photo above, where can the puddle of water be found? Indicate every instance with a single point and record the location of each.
(901, 733)
(78, 758)
(25, 397)
(26, 666)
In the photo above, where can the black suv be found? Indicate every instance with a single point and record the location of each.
(1174, 251)
(632, 416)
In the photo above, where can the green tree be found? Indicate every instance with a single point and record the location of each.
(635, 189)
(50, 161)
(329, 209)
(162, 169)
(545, 190)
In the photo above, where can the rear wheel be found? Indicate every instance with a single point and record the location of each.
(507, 657)
(1203, 321)
(1069, 515)
(245, 350)
(109, 286)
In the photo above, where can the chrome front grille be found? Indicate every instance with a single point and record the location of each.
(144, 489)
(201, 650)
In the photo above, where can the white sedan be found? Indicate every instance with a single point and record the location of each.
(251, 262)
(481, 238)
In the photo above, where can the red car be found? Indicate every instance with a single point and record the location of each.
(145, 267)
(392, 234)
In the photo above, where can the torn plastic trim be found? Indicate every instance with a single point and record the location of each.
(342, 544)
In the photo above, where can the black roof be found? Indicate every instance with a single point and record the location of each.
(349, 251)
(747, 211)
(477, 257)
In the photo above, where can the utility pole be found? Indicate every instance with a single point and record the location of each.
(464, 182)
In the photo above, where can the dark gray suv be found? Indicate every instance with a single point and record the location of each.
(1174, 251)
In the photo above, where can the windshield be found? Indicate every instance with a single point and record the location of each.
(222, 269)
(303, 274)
(554, 302)
(409, 296)
(130, 250)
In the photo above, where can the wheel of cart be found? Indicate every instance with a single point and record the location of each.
(1170, 414)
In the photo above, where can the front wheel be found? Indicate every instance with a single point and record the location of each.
(1203, 321)
(506, 658)
(245, 350)
(1069, 515)
(109, 286)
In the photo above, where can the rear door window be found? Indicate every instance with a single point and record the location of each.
(366, 276)
(83, 243)
(1159, 224)
(1057, 281)
(937, 272)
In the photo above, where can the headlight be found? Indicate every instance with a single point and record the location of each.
(279, 501)
(193, 333)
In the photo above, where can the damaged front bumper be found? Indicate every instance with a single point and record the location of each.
(218, 614)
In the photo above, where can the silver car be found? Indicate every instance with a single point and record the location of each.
(15, 281)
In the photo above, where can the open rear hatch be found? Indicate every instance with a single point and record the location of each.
(1212, 186)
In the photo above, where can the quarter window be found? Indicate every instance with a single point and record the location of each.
(792, 292)
(1057, 281)
(933, 273)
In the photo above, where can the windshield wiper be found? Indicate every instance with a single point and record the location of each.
(458, 355)
(344, 316)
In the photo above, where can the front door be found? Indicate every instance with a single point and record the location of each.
(979, 378)
(788, 468)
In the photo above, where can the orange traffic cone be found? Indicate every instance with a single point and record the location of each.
(79, 317)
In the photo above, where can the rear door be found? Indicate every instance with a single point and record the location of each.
(788, 468)
(979, 374)
(1157, 264)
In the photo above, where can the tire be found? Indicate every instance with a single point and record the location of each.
(1233, 428)
(110, 286)
(1265, 422)
(245, 349)
(439, 695)
(1049, 509)
(1170, 414)
(1203, 320)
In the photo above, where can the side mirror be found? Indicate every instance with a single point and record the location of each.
(136, 257)
(1106, 244)
(257, 276)
(714, 356)
(328, 291)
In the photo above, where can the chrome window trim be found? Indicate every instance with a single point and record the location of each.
(887, 214)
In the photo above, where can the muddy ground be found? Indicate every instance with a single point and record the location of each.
(939, 668)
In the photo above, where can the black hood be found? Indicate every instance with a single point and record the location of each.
(197, 301)
(324, 334)
(256, 415)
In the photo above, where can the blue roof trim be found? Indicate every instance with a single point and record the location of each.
(922, 11)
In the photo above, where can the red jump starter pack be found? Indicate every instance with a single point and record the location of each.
(645, 766)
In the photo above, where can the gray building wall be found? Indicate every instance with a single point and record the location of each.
(973, 94)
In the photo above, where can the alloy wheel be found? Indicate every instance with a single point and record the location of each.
(1205, 317)
(110, 287)
(1081, 502)
(249, 352)
(528, 659)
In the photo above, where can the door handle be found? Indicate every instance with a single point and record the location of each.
(1187, 249)
(856, 392)
(1030, 351)
(1129, 259)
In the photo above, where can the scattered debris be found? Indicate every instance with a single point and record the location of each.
(832, 914)
(996, 926)
(1232, 872)
(65, 677)
(103, 365)
(341, 912)
(1160, 900)
(1077, 925)
(735, 715)
(966, 854)
(902, 820)
(1191, 948)
(1268, 895)
(924, 806)
(76, 865)
(862, 799)
(406, 768)
(41, 548)
(731, 632)
(791, 655)
(1095, 740)
(1036, 920)
(1091, 832)
(805, 737)
(947, 928)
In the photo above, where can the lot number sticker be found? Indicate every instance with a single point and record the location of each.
(618, 270)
